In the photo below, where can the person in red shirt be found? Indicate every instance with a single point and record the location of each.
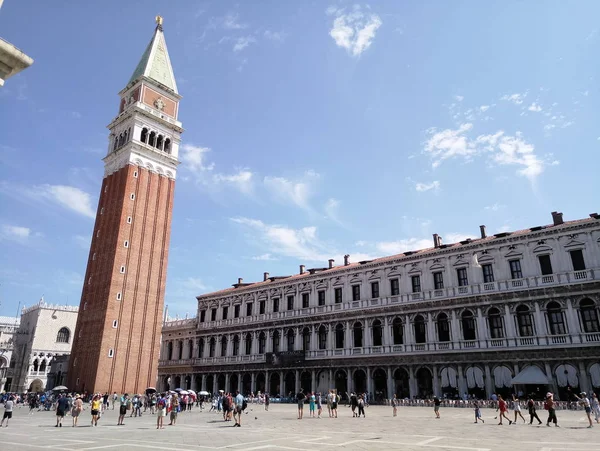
(503, 408)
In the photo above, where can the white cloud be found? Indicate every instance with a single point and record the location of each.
(484, 108)
(459, 98)
(422, 187)
(243, 42)
(264, 257)
(331, 209)
(400, 246)
(516, 98)
(194, 158)
(83, 241)
(494, 207)
(500, 149)
(275, 35)
(242, 180)
(535, 107)
(230, 22)
(353, 30)
(297, 193)
(18, 234)
(450, 238)
(68, 197)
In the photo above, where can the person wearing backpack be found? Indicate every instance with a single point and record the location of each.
(300, 398)
(174, 409)
(240, 405)
(532, 412)
(549, 406)
(161, 411)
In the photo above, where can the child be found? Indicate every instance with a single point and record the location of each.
(477, 412)
(312, 401)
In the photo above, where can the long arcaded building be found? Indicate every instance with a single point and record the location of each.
(515, 311)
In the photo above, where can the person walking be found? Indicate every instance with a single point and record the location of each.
(174, 409)
(267, 401)
(585, 402)
(122, 409)
(477, 412)
(549, 406)
(395, 405)
(502, 407)
(319, 405)
(312, 403)
(334, 403)
(238, 409)
(161, 411)
(532, 412)
(595, 407)
(516, 407)
(300, 398)
(436, 407)
(96, 406)
(8, 411)
(114, 400)
(77, 409)
(61, 408)
(361, 406)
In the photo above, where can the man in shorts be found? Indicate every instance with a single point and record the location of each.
(300, 398)
(436, 406)
(239, 408)
(62, 406)
(8, 410)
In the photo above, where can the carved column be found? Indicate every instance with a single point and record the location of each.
(254, 336)
(203, 384)
(436, 381)
(282, 387)
(462, 385)
(227, 388)
(509, 324)
(481, 327)
(431, 337)
(574, 329)
(390, 383)
(298, 339)
(348, 340)
(313, 385)
(584, 383)
(367, 337)
(349, 381)
(408, 331)
(540, 324)
(297, 386)
(313, 338)
(253, 382)
(489, 385)
(267, 382)
(269, 344)
(369, 390)
(331, 381)
(239, 387)
(454, 326)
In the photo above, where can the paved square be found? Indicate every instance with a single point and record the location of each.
(415, 428)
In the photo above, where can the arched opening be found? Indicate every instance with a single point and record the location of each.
(210, 384)
(129, 134)
(475, 382)
(290, 384)
(443, 328)
(360, 381)
(397, 331)
(495, 323)
(236, 345)
(248, 343)
(401, 383)
(556, 320)
(233, 383)
(170, 350)
(201, 348)
(306, 339)
(152, 139)
(221, 379)
(144, 135)
(341, 382)
(115, 143)
(36, 386)
(290, 340)
(120, 139)
(468, 325)
(262, 342)
(166, 383)
(306, 381)
(595, 375)
(43, 366)
(167, 145)
(322, 337)
(380, 385)
(180, 349)
(524, 321)
(36, 365)
(589, 316)
(188, 383)
(261, 383)
(567, 379)
(339, 336)
(63, 335)
(357, 332)
(223, 346)
(197, 383)
(159, 142)
(190, 353)
(420, 329)
(274, 385)
(275, 341)
(211, 347)
(125, 136)
(503, 381)
(424, 383)
(449, 382)
(246, 384)
(377, 331)
(177, 382)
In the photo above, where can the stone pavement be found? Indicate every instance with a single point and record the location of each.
(415, 428)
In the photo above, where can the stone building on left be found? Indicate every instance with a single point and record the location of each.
(8, 327)
(45, 333)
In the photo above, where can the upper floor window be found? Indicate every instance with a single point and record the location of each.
(275, 341)
(438, 280)
(339, 336)
(577, 260)
(377, 330)
(322, 337)
(515, 269)
(398, 331)
(556, 320)
(236, 311)
(262, 342)
(443, 327)
(416, 284)
(305, 300)
(395, 287)
(356, 292)
(213, 314)
(249, 309)
(375, 290)
(420, 328)
(290, 340)
(338, 296)
(524, 321)
(202, 316)
(63, 335)
(290, 302)
(224, 346)
(236, 345)
(275, 305)
(488, 273)
(225, 312)
(468, 325)
(463, 279)
(545, 265)
(495, 323)
(261, 307)
(321, 297)
(211, 347)
(589, 316)
(248, 343)
(306, 339)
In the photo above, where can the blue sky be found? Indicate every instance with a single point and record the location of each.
(313, 129)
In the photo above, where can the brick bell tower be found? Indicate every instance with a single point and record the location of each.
(117, 338)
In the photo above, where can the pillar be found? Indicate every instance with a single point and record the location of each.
(489, 386)
(331, 381)
(431, 337)
(540, 324)
(253, 382)
(267, 382)
(412, 383)
(390, 383)
(369, 389)
(462, 385)
(574, 329)
(584, 383)
(313, 339)
(551, 379)
(455, 328)
(239, 387)
(436, 381)
(226, 382)
(282, 391)
(348, 339)
(349, 380)
(203, 384)
(215, 388)
(509, 323)
(313, 386)
(481, 327)
(298, 340)
(297, 381)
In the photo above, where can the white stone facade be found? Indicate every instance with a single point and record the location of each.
(457, 318)
(45, 331)
(8, 327)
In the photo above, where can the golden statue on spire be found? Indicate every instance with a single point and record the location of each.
(159, 21)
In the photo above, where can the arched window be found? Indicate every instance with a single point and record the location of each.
(167, 145)
(357, 332)
(262, 342)
(524, 321)
(36, 365)
(495, 323)
(170, 351)
(589, 316)
(201, 348)
(290, 340)
(211, 347)
(223, 346)
(377, 331)
(306, 339)
(144, 135)
(125, 136)
(468, 325)
(116, 143)
(159, 142)
(63, 335)
(556, 319)
(180, 348)
(152, 139)
(43, 366)
(322, 337)
(443, 328)
(398, 331)
(339, 336)
(236, 345)
(129, 134)
(420, 330)
(248, 343)
(276, 341)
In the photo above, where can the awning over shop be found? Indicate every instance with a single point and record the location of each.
(530, 375)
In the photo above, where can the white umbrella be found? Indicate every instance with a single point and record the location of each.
(204, 393)
(184, 392)
(191, 392)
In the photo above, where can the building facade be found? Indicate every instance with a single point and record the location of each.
(117, 341)
(8, 328)
(479, 316)
(45, 332)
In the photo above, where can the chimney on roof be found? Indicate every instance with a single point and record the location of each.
(482, 230)
(302, 269)
(346, 260)
(437, 240)
(240, 281)
(594, 215)
(265, 277)
(557, 218)
(331, 260)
